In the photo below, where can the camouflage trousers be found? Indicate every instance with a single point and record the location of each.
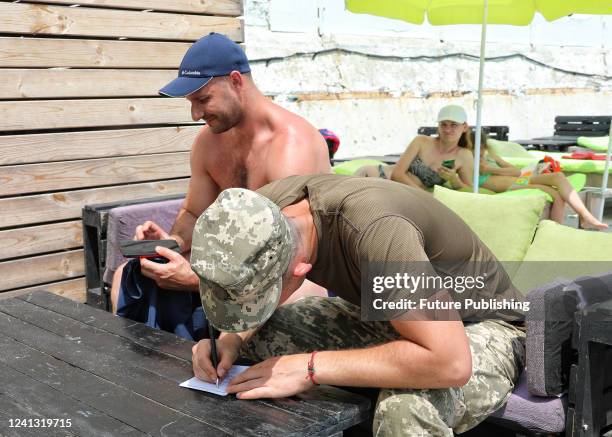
(314, 323)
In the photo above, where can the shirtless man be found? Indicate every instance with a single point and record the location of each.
(248, 141)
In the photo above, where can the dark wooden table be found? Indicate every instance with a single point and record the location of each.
(114, 377)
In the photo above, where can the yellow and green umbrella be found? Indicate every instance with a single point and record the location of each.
(514, 12)
(441, 12)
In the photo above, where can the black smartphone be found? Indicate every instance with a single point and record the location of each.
(448, 163)
(146, 249)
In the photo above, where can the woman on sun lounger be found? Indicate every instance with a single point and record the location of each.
(430, 161)
(499, 176)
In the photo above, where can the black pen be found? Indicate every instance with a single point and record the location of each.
(213, 349)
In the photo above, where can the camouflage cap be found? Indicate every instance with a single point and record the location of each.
(240, 249)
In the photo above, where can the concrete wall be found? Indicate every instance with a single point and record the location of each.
(374, 81)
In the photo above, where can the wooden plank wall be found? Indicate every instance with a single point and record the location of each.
(81, 121)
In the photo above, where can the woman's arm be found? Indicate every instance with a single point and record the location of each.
(465, 173)
(504, 169)
(401, 168)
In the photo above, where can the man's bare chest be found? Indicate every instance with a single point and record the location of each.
(238, 171)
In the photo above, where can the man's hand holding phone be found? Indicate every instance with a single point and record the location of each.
(146, 249)
(176, 274)
(150, 231)
(162, 261)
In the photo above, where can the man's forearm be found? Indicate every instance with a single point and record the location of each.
(397, 364)
(243, 336)
(183, 228)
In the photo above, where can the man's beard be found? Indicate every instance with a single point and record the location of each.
(222, 123)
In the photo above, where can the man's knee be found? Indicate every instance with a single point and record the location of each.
(115, 287)
(417, 412)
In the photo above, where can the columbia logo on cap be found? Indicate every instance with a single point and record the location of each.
(190, 73)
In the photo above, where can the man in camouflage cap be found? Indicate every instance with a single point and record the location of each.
(240, 249)
(251, 250)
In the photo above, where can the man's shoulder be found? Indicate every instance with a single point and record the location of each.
(206, 145)
(296, 147)
(292, 129)
(204, 136)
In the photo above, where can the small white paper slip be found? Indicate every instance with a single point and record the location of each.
(198, 384)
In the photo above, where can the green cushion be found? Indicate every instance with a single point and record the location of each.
(526, 192)
(505, 224)
(599, 144)
(561, 251)
(480, 190)
(508, 149)
(521, 162)
(350, 167)
(577, 180)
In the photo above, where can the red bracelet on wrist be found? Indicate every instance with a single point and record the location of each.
(311, 369)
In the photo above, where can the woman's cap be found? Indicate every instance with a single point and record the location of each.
(454, 113)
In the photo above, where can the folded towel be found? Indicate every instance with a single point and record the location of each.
(586, 156)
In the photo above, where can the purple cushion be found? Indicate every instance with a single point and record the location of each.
(122, 222)
(535, 413)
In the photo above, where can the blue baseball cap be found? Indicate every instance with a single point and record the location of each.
(211, 56)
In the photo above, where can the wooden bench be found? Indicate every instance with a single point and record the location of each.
(582, 125)
(495, 132)
(567, 130)
(96, 239)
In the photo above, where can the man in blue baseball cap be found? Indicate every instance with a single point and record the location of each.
(247, 142)
(213, 56)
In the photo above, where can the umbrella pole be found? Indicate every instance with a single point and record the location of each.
(483, 41)
(604, 183)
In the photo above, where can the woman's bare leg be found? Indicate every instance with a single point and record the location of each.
(373, 171)
(568, 194)
(557, 209)
(499, 183)
(367, 171)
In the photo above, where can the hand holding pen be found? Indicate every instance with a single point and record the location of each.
(213, 350)
(213, 359)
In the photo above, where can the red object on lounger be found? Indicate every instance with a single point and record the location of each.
(554, 166)
(586, 156)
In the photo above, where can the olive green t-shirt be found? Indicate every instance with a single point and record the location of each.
(390, 229)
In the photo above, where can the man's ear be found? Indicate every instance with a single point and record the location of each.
(301, 269)
(236, 79)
